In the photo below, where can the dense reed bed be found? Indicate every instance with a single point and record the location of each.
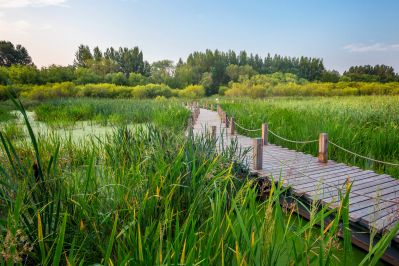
(149, 197)
(366, 125)
(165, 113)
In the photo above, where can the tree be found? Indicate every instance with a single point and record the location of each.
(162, 71)
(368, 73)
(136, 79)
(97, 54)
(330, 76)
(237, 73)
(86, 75)
(82, 56)
(20, 74)
(13, 55)
(54, 73)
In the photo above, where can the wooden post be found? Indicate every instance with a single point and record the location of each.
(265, 133)
(226, 119)
(222, 116)
(213, 132)
(323, 148)
(232, 126)
(257, 153)
(211, 107)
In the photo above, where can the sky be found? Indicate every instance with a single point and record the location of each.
(342, 32)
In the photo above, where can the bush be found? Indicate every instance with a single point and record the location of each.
(151, 91)
(86, 75)
(192, 91)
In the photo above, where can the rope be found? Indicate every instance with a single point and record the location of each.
(361, 156)
(293, 141)
(331, 186)
(243, 128)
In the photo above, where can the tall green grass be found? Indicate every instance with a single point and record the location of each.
(148, 197)
(167, 114)
(367, 125)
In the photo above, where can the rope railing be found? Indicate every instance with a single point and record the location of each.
(323, 138)
(362, 156)
(246, 129)
(293, 141)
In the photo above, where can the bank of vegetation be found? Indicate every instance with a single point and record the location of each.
(123, 72)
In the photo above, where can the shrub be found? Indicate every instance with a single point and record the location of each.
(151, 91)
(192, 91)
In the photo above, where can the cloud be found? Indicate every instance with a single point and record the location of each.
(30, 3)
(19, 26)
(371, 47)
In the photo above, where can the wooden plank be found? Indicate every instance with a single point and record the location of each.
(366, 181)
(339, 173)
(326, 184)
(342, 173)
(368, 207)
(357, 196)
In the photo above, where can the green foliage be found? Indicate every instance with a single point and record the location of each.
(86, 75)
(57, 74)
(116, 78)
(238, 73)
(150, 91)
(377, 73)
(19, 74)
(279, 84)
(56, 90)
(13, 55)
(137, 79)
(192, 91)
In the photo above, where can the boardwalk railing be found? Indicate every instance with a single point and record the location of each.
(322, 140)
(374, 198)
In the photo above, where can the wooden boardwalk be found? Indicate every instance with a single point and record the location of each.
(374, 198)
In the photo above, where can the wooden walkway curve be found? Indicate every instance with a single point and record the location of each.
(374, 198)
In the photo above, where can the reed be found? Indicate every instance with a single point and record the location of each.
(148, 197)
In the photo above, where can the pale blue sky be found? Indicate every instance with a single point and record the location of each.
(343, 33)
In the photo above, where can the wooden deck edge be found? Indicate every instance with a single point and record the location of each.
(360, 235)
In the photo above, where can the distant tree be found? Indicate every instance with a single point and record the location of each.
(86, 75)
(207, 83)
(368, 73)
(330, 76)
(97, 54)
(56, 73)
(130, 60)
(162, 71)
(119, 78)
(83, 56)
(136, 79)
(19, 74)
(13, 55)
(236, 73)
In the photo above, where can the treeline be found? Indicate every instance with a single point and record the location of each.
(212, 70)
(287, 84)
